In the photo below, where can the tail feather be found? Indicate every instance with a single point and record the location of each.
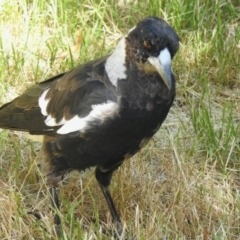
(19, 119)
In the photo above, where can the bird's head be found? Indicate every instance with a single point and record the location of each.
(152, 44)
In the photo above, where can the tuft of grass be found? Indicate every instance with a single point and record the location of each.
(185, 183)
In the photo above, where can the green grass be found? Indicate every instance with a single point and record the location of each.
(185, 183)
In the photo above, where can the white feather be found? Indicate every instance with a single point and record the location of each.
(100, 112)
(42, 102)
(115, 64)
(51, 122)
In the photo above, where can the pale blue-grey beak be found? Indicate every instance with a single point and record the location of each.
(162, 64)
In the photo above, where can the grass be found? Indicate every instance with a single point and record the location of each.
(185, 183)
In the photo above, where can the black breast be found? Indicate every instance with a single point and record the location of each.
(109, 143)
(144, 102)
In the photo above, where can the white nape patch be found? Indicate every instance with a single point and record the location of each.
(42, 102)
(165, 57)
(115, 64)
(99, 112)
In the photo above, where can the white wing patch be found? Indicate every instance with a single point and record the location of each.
(74, 124)
(99, 112)
(42, 102)
(115, 64)
(51, 122)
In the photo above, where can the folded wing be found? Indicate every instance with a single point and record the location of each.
(48, 106)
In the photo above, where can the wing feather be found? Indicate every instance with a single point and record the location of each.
(68, 95)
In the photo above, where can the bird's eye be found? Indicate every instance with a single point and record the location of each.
(147, 44)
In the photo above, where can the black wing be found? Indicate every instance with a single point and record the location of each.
(71, 93)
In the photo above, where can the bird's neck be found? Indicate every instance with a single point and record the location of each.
(116, 63)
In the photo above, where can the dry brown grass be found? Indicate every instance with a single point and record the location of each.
(185, 183)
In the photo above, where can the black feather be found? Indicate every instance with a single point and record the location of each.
(128, 110)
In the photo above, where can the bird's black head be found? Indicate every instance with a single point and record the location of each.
(153, 43)
(152, 35)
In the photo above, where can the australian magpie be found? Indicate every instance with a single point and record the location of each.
(102, 112)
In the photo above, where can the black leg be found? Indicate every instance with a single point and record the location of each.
(55, 205)
(35, 214)
(104, 180)
(54, 177)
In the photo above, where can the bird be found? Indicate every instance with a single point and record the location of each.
(102, 112)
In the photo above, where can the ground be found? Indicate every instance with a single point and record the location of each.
(185, 183)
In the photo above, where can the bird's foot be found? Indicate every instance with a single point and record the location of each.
(58, 230)
(118, 232)
(57, 222)
(36, 215)
(119, 229)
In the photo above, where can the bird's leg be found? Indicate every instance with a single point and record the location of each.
(54, 201)
(53, 180)
(55, 204)
(114, 213)
(104, 180)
